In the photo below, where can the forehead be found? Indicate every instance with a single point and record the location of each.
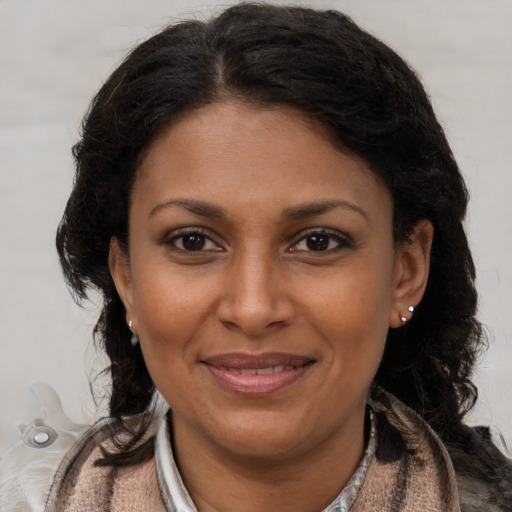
(236, 154)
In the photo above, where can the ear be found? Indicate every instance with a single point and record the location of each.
(121, 274)
(412, 264)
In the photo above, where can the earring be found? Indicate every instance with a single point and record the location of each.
(134, 340)
(404, 318)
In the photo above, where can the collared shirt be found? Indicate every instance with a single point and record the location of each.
(177, 499)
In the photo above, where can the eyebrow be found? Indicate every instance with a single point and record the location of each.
(210, 210)
(203, 208)
(317, 208)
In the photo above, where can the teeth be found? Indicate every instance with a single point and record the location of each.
(257, 371)
(265, 371)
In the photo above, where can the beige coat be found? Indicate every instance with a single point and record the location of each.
(410, 469)
(420, 478)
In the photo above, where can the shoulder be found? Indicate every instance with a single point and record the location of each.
(81, 484)
(412, 469)
(481, 475)
(484, 474)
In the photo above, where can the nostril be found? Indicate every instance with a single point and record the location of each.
(254, 301)
(253, 324)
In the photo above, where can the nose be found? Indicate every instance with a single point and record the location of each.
(255, 299)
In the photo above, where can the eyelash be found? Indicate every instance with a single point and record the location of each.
(342, 241)
(181, 234)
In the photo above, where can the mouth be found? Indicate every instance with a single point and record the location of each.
(257, 374)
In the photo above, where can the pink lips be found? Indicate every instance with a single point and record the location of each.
(257, 374)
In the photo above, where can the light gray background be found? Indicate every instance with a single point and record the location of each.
(54, 54)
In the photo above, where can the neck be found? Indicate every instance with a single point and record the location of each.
(220, 481)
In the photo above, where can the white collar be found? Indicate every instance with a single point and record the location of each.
(177, 499)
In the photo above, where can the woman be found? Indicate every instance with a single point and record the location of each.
(273, 216)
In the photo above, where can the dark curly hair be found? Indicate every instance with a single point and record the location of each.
(373, 105)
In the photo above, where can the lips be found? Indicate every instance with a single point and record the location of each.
(257, 374)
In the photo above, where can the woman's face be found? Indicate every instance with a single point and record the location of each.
(261, 280)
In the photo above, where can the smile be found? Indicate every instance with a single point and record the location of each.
(258, 371)
(257, 375)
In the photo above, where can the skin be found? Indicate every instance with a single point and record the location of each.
(255, 286)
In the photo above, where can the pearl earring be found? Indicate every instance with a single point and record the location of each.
(134, 340)
(404, 318)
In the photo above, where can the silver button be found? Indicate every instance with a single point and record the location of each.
(41, 438)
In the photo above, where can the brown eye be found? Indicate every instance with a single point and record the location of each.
(193, 242)
(317, 242)
(322, 240)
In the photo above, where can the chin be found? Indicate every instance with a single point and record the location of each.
(262, 435)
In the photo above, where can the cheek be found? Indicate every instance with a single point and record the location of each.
(167, 301)
(170, 312)
(350, 311)
(169, 317)
(354, 298)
